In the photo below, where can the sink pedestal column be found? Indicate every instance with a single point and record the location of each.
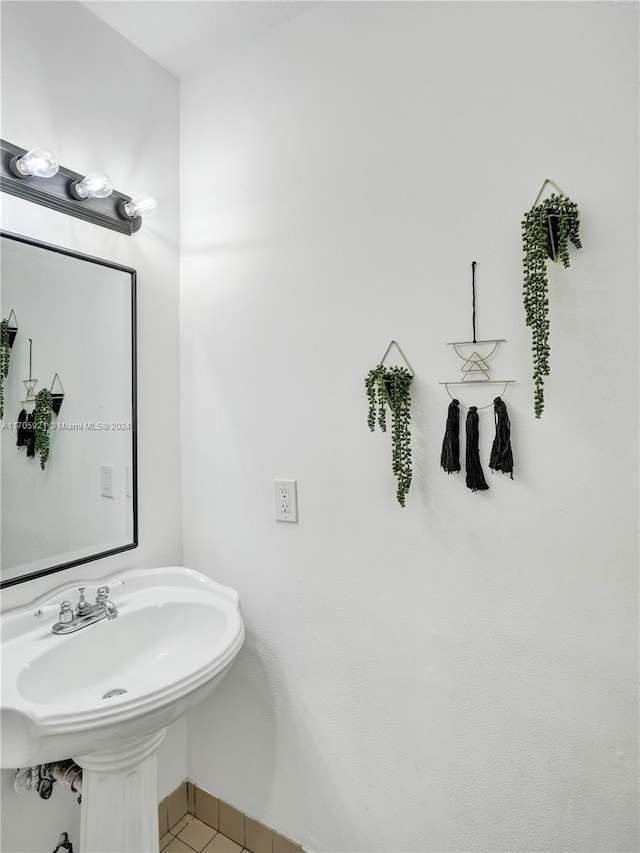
(119, 810)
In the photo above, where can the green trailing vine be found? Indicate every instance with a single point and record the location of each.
(42, 415)
(547, 230)
(377, 394)
(392, 385)
(5, 357)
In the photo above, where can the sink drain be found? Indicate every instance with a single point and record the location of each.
(115, 692)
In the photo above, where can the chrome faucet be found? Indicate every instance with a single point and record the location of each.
(85, 613)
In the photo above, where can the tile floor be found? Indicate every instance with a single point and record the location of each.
(190, 819)
(191, 834)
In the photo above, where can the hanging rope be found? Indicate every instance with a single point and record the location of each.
(473, 297)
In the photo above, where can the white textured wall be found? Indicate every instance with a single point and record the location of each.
(57, 59)
(459, 675)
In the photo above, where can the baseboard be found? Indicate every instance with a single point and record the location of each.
(251, 834)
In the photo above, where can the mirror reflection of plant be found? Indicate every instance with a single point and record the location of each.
(42, 415)
(393, 384)
(537, 230)
(5, 357)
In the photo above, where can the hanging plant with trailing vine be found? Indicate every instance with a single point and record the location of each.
(5, 358)
(42, 415)
(391, 386)
(547, 230)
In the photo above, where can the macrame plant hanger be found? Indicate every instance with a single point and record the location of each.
(476, 371)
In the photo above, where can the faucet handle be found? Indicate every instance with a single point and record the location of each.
(66, 613)
(103, 591)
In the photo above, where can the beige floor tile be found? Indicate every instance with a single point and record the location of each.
(231, 823)
(281, 844)
(177, 805)
(222, 844)
(177, 829)
(197, 834)
(164, 840)
(257, 836)
(177, 846)
(207, 808)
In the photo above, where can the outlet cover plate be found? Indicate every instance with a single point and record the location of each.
(285, 494)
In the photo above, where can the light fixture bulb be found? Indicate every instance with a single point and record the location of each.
(37, 163)
(95, 185)
(141, 204)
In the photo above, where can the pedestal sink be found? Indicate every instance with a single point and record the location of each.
(103, 695)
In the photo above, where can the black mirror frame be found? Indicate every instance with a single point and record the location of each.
(134, 411)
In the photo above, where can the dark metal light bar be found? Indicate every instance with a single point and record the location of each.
(55, 193)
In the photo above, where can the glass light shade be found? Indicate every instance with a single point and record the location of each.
(95, 185)
(141, 204)
(39, 163)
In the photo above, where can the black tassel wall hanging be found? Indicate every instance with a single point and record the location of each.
(23, 429)
(450, 456)
(501, 458)
(476, 371)
(475, 478)
(31, 435)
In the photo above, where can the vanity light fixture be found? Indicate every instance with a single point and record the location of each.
(38, 163)
(95, 185)
(34, 175)
(143, 203)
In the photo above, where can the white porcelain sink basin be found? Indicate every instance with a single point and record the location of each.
(176, 634)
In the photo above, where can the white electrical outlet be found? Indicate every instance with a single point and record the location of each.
(286, 500)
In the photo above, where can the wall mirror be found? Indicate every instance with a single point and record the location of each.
(72, 322)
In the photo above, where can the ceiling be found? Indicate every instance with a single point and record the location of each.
(189, 36)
